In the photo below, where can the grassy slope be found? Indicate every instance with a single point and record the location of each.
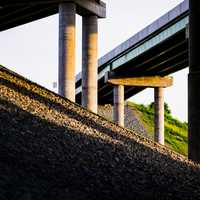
(175, 131)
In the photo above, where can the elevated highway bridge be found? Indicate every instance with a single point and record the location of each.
(164, 47)
(159, 49)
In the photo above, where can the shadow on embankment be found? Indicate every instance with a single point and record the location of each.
(50, 151)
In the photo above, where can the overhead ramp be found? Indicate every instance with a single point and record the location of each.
(158, 50)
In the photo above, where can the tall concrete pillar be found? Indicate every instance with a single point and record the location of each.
(67, 37)
(118, 109)
(159, 115)
(194, 82)
(89, 62)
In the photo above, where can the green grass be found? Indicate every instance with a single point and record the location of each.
(175, 130)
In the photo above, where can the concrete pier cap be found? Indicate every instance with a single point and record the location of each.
(90, 7)
(156, 82)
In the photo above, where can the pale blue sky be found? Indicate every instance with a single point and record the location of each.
(32, 49)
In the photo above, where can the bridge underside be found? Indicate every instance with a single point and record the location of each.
(168, 57)
(17, 13)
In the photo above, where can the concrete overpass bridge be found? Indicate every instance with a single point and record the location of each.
(158, 50)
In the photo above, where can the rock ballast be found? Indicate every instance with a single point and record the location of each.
(53, 149)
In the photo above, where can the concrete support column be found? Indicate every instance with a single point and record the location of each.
(67, 36)
(159, 115)
(89, 62)
(118, 109)
(194, 82)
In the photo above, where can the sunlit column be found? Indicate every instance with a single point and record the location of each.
(89, 62)
(159, 115)
(67, 35)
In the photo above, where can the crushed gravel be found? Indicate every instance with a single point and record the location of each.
(53, 149)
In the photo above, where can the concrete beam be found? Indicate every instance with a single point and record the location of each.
(118, 108)
(153, 81)
(89, 62)
(148, 31)
(67, 36)
(90, 7)
(19, 12)
(159, 115)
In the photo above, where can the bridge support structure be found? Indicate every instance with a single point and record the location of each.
(67, 35)
(90, 10)
(89, 62)
(118, 105)
(158, 83)
(194, 82)
(159, 130)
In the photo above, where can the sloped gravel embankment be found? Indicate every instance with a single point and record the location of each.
(52, 149)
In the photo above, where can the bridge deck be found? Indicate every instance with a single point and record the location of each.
(18, 12)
